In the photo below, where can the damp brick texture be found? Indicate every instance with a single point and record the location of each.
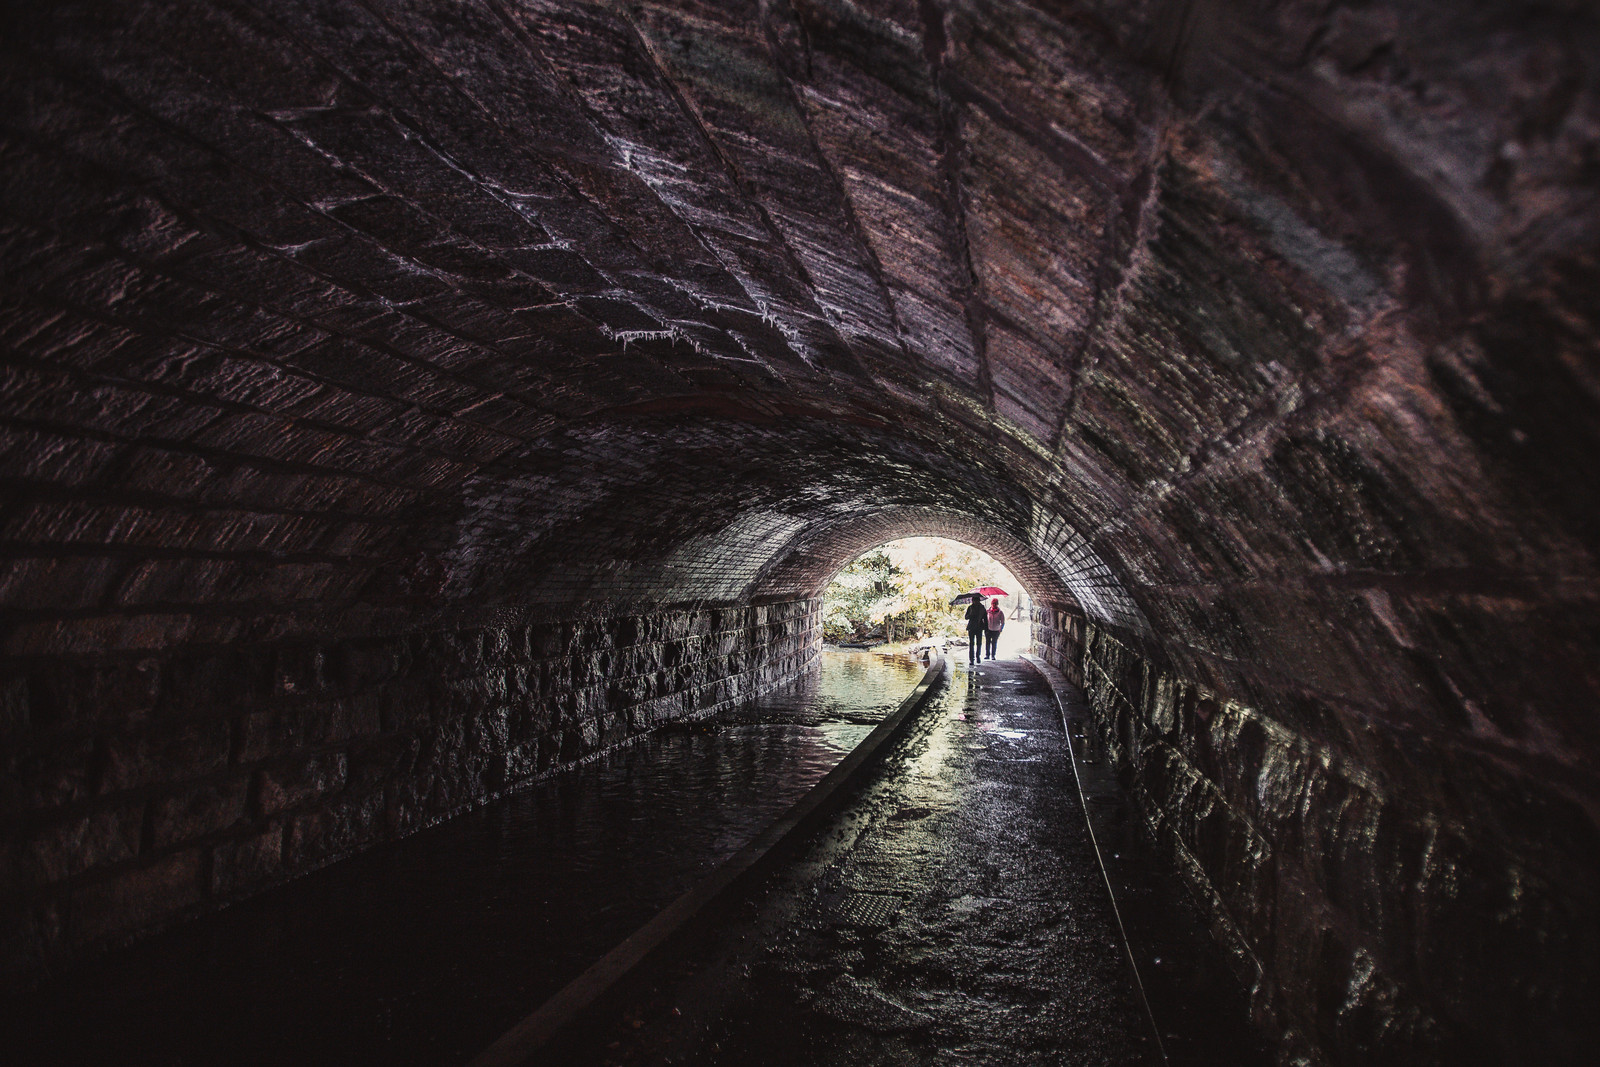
(1259, 341)
(226, 770)
(1431, 924)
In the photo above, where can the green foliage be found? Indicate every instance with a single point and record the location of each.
(904, 588)
(860, 596)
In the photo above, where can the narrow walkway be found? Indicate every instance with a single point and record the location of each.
(953, 913)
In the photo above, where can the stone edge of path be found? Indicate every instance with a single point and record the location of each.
(522, 1042)
(1074, 715)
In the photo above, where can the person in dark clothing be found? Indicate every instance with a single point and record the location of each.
(977, 626)
(996, 620)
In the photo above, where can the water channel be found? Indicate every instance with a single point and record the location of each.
(425, 950)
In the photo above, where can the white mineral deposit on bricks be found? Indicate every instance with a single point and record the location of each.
(397, 406)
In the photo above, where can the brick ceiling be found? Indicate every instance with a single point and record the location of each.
(1267, 337)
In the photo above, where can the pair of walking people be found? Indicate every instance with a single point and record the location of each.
(983, 626)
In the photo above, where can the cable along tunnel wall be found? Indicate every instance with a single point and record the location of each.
(1370, 921)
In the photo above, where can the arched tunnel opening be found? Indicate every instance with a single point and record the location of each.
(918, 590)
(404, 402)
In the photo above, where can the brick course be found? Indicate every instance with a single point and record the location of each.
(1337, 886)
(143, 789)
(341, 341)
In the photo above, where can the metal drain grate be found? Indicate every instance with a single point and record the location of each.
(865, 909)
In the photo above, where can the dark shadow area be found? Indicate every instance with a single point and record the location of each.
(422, 952)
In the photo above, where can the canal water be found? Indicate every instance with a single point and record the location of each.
(425, 950)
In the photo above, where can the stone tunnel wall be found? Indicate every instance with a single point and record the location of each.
(147, 787)
(1378, 914)
(1058, 639)
(1278, 318)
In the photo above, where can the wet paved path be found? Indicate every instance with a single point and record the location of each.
(954, 913)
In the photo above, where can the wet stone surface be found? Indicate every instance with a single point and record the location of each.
(423, 951)
(1262, 336)
(952, 913)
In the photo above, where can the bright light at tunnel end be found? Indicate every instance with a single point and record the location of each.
(899, 592)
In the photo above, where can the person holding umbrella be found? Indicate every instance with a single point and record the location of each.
(995, 622)
(978, 620)
(977, 626)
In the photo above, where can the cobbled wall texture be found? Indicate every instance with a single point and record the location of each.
(1263, 336)
(144, 788)
(1378, 910)
(1058, 639)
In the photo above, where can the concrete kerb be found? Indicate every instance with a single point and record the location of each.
(521, 1044)
(1074, 715)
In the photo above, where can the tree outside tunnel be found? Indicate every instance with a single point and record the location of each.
(901, 591)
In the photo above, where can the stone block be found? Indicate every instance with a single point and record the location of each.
(67, 846)
(289, 783)
(523, 684)
(627, 631)
(79, 696)
(377, 761)
(624, 693)
(297, 670)
(521, 762)
(286, 728)
(164, 753)
(364, 665)
(358, 716)
(395, 706)
(592, 669)
(526, 720)
(469, 696)
(491, 729)
(46, 774)
(405, 805)
(199, 811)
(215, 681)
(333, 830)
(549, 751)
(32, 941)
(546, 640)
(495, 645)
(634, 659)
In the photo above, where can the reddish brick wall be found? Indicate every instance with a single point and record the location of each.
(1058, 639)
(1262, 334)
(145, 787)
(1380, 914)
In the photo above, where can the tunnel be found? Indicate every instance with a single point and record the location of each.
(404, 401)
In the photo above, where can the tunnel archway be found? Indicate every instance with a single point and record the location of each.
(386, 393)
(910, 590)
(804, 566)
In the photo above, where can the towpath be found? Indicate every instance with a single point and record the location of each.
(953, 912)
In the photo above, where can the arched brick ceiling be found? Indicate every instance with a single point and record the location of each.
(811, 559)
(330, 311)
(1052, 563)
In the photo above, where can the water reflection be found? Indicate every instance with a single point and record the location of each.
(424, 951)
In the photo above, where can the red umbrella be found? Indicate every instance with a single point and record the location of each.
(979, 594)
